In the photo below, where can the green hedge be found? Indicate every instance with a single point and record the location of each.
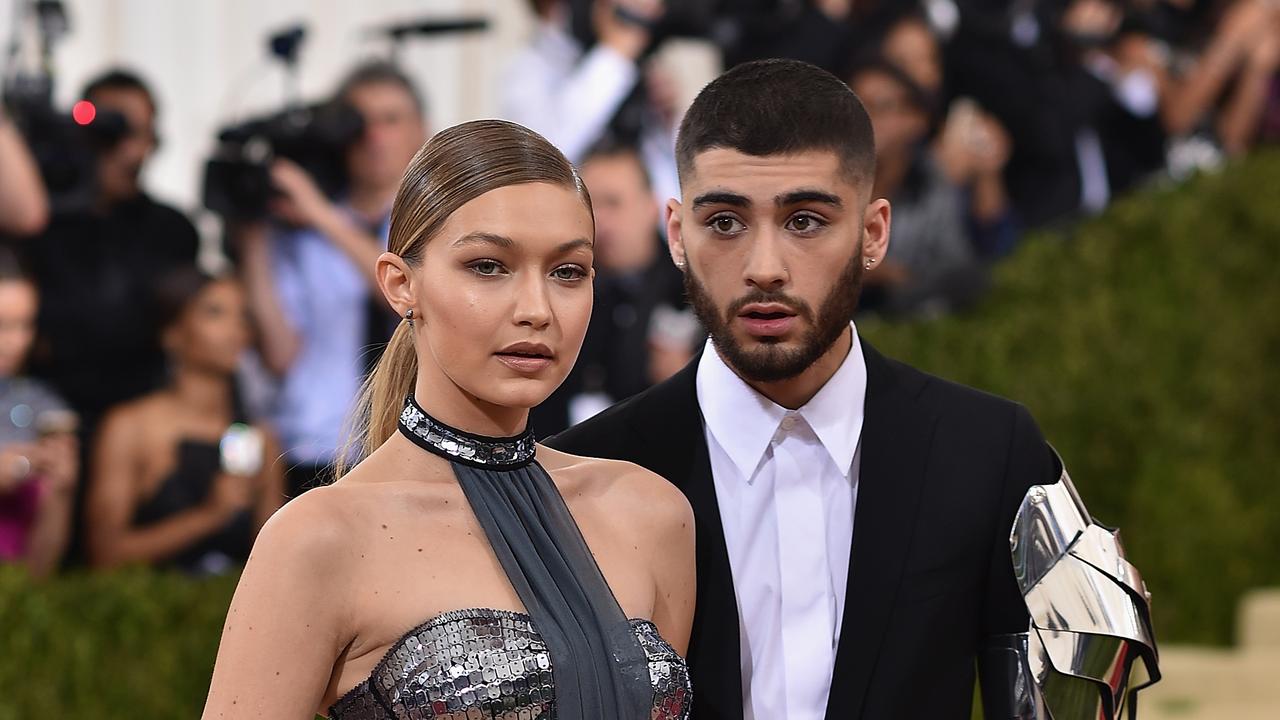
(1147, 346)
(1144, 345)
(126, 645)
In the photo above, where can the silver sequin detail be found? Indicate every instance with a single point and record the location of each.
(479, 664)
(486, 453)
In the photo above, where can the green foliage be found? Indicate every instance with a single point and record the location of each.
(1143, 344)
(1145, 347)
(128, 645)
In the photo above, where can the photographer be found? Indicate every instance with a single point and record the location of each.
(310, 275)
(24, 206)
(95, 268)
(575, 95)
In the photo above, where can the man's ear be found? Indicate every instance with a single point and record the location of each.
(675, 237)
(875, 226)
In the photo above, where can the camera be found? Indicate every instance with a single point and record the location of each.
(65, 143)
(237, 179)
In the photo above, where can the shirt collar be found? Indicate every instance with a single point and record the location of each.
(743, 421)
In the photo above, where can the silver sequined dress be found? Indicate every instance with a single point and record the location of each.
(478, 664)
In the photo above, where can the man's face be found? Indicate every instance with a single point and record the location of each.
(898, 123)
(774, 248)
(120, 168)
(625, 212)
(393, 131)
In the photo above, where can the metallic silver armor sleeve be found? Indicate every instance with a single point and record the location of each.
(1090, 645)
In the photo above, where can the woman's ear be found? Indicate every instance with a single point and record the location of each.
(396, 282)
(169, 339)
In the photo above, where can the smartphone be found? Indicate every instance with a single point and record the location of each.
(241, 450)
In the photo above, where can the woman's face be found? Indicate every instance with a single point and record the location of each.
(213, 332)
(503, 294)
(17, 324)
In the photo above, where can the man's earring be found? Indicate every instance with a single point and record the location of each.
(680, 264)
(408, 317)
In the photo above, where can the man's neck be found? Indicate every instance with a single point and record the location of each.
(794, 393)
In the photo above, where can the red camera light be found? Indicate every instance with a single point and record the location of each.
(83, 112)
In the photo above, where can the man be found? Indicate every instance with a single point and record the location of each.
(310, 285)
(853, 514)
(572, 95)
(641, 330)
(95, 269)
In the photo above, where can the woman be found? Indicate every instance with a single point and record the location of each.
(452, 573)
(39, 454)
(178, 479)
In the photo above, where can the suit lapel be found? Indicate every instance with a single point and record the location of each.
(672, 428)
(896, 435)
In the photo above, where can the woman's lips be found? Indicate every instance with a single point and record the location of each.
(524, 363)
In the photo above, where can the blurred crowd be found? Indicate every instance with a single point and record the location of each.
(153, 413)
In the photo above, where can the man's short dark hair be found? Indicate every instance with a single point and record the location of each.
(380, 72)
(118, 79)
(779, 107)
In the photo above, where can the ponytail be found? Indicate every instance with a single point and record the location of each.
(381, 399)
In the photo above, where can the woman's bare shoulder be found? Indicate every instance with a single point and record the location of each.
(635, 491)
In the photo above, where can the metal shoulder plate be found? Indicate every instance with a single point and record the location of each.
(1090, 645)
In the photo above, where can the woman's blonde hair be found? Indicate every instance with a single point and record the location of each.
(453, 168)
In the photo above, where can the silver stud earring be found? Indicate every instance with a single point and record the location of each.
(408, 316)
(680, 264)
(869, 263)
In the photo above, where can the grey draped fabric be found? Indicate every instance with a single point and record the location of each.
(599, 667)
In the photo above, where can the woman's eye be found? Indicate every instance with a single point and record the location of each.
(805, 223)
(569, 272)
(725, 225)
(485, 267)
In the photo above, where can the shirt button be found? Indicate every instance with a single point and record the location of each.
(788, 422)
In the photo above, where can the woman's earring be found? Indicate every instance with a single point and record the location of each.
(408, 316)
(869, 263)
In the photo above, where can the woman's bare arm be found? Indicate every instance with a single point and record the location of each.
(289, 620)
(670, 533)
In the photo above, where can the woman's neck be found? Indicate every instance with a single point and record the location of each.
(453, 406)
(203, 392)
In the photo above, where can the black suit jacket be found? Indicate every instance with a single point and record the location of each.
(942, 473)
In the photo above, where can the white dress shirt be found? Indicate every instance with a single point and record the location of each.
(786, 482)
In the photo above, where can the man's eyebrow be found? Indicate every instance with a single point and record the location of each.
(807, 195)
(475, 238)
(721, 197)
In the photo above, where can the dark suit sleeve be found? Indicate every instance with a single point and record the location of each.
(1030, 462)
(595, 437)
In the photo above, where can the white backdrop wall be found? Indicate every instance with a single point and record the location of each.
(207, 62)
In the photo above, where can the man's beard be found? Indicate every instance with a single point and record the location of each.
(771, 362)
